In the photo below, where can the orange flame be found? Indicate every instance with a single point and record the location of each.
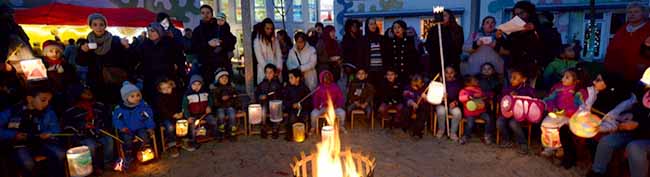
(329, 163)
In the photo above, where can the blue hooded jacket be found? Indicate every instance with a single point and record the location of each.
(47, 122)
(136, 118)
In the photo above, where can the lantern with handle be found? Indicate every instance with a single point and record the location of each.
(255, 114)
(275, 110)
(584, 124)
(436, 92)
(551, 137)
(145, 155)
(298, 132)
(181, 127)
(79, 161)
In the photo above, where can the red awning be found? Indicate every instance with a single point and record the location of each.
(66, 14)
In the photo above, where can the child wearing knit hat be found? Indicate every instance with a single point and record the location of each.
(227, 105)
(133, 118)
(60, 74)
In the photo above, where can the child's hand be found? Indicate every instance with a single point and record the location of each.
(208, 110)
(263, 97)
(499, 34)
(224, 98)
(125, 130)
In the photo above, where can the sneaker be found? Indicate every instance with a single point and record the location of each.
(453, 137)
(440, 134)
(548, 152)
(174, 152)
(189, 147)
(506, 144)
(523, 149)
(463, 140)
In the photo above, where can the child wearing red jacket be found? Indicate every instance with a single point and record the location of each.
(474, 105)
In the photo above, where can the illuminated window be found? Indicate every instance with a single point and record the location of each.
(326, 11)
(297, 10)
(278, 9)
(238, 11)
(313, 13)
(260, 10)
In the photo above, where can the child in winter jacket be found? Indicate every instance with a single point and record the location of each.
(168, 109)
(517, 87)
(417, 109)
(85, 118)
(269, 89)
(491, 83)
(293, 103)
(196, 107)
(133, 118)
(27, 128)
(391, 98)
(474, 105)
(555, 70)
(59, 73)
(326, 91)
(226, 103)
(361, 93)
(453, 87)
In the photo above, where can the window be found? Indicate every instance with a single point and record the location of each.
(260, 10)
(297, 10)
(238, 11)
(224, 7)
(326, 11)
(278, 9)
(313, 15)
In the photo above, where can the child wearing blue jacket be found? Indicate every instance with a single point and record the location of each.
(133, 117)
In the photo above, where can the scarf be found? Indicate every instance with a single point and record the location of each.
(90, 112)
(103, 42)
(53, 61)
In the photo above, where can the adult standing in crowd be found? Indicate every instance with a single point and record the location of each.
(550, 37)
(315, 33)
(399, 52)
(105, 56)
(168, 27)
(524, 47)
(354, 45)
(625, 53)
(329, 52)
(452, 43)
(159, 56)
(285, 46)
(303, 56)
(205, 42)
(267, 49)
(482, 47)
(374, 38)
(70, 52)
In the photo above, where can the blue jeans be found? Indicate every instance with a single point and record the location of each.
(170, 132)
(606, 148)
(511, 125)
(55, 159)
(489, 125)
(107, 149)
(226, 118)
(128, 146)
(456, 115)
(638, 157)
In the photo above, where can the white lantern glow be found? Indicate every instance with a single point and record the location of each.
(326, 133)
(255, 114)
(275, 109)
(181, 127)
(33, 69)
(80, 161)
(436, 92)
(646, 77)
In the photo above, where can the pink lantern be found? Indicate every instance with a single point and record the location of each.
(522, 108)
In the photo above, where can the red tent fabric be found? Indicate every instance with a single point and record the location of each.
(66, 14)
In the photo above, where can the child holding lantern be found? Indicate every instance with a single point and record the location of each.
(361, 93)
(518, 87)
(417, 109)
(196, 107)
(168, 112)
(297, 101)
(269, 89)
(391, 97)
(226, 105)
(134, 120)
(474, 104)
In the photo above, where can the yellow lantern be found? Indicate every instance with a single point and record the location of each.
(255, 114)
(299, 132)
(181, 127)
(80, 161)
(436, 92)
(145, 155)
(275, 110)
(584, 124)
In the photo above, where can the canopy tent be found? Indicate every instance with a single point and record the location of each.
(73, 15)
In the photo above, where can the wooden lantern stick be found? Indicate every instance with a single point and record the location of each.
(444, 82)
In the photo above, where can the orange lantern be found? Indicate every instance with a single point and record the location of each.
(299, 132)
(181, 127)
(584, 124)
(145, 155)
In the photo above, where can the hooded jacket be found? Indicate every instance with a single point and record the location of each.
(333, 90)
(218, 91)
(135, 118)
(195, 103)
(292, 94)
(16, 119)
(361, 91)
(306, 61)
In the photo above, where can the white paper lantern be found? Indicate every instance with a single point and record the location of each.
(275, 110)
(646, 77)
(436, 92)
(80, 161)
(255, 114)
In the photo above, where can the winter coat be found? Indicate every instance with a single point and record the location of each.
(157, 59)
(490, 85)
(468, 94)
(306, 61)
(267, 87)
(208, 55)
(195, 103)
(361, 91)
(565, 98)
(166, 105)
(453, 89)
(613, 102)
(555, 70)
(526, 50)
(452, 43)
(116, 57)
(59, 80)
(355, 50)
(75, 117)
(321, 95)
(391, 93)
(218, 91)
(135, 118)
(17, 119)
(401, 55)
(267, 54)
(624, 54)
(481, 54)
(292, 94)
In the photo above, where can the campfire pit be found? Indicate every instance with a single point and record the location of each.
(306, 166)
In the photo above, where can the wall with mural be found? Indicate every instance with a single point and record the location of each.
(183, 10)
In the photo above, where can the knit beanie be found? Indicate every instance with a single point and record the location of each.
(221, 16)
(195, 78)
(219, 74)
(95, 16)
(49, 44)
(156, 27)
(126, 90)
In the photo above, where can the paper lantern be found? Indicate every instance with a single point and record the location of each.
(255, 114)
(551, 137)
(584, 124)
(80, 161)
(436, 92)
(202, 131)
(145, 155)
(475, 104)
(645, 79)
(326, 133)
(33, 69)
(438, 14)
(299, 132)
(506, 105)
(275, 110)
(526, 108)
(181, 127)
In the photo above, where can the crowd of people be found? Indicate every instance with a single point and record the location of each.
(103, 85)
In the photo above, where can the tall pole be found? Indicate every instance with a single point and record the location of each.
(444, 80)
(247, 25)
(592, 27)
